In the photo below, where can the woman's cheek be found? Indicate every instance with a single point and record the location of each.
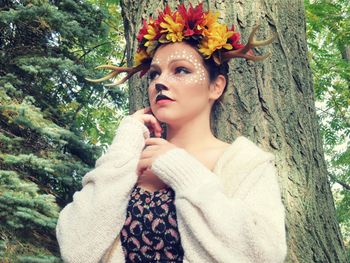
(198, 77)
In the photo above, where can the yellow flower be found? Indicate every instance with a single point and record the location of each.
(216, 38)
(151, 32)
(174, 29)
(140, 56)
(204, 48)
(210, 21)
(151, 48)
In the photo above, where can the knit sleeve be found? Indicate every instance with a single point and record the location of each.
(245, 227)
(128, 141)
(89, 224)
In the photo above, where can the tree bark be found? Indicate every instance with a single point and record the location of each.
(272, 103)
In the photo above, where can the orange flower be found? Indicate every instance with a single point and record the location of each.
(210, 21)
(161, 15)
(153, 32)
(216, 39)
(173, 27)
(191, 24)
(140, 56)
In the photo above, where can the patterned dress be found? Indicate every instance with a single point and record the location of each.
(150, 232)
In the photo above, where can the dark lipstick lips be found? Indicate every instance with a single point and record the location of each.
(162, 97)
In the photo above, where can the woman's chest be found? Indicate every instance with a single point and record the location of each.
(209, 158)
(151, 182)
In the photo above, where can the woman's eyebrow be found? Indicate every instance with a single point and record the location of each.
(156, 65)
(180, 59)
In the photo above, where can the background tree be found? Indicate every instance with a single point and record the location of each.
(273, 104)
(53, 124)
(328, 31)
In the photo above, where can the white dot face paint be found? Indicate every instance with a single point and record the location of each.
(183, 66)
(185, 80)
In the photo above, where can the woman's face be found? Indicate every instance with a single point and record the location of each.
(178, 71)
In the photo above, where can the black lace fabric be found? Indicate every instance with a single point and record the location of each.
(150, 232)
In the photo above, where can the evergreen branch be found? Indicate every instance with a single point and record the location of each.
(42, 187)
(9, 133)
(81, 105)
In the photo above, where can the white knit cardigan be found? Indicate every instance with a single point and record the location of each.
(233, 214)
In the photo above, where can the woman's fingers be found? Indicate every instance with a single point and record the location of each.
(147, 110)
(156, 126)
(149, 120)
(153, 124)
(142, 166)
(142, 111)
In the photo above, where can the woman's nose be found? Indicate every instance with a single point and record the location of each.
(160, 87)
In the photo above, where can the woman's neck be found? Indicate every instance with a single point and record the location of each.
(194, 135)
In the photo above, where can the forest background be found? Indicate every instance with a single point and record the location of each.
(54, 124)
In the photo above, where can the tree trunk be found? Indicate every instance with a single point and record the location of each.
(272, 103)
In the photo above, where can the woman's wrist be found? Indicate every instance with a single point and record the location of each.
(182, 171)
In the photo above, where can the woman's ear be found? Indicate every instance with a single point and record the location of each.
(217, 87)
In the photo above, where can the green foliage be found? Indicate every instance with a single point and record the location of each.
(53, 123)
(22, 207)
(61, 45)
(25, 212)
(35, 175)
(328, 32)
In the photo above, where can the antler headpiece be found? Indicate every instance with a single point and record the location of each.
(212, 38)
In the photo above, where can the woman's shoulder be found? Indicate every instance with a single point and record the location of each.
(242, 161)
(244, 153)
(246, 147)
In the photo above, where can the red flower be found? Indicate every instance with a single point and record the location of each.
(194, 19)
(161, 15)
(234, 41)
(155, 24)
(238, 46)
(143, 31)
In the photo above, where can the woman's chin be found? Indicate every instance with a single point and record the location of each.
(164, 117)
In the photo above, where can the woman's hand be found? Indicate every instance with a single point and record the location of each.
(155, 147)
(146, 117)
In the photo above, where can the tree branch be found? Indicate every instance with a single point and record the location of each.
(335, 179)
(91, 49)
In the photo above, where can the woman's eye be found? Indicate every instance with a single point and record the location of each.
(181, 70)
(152, 75)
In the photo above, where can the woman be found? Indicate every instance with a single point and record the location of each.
(189, 197)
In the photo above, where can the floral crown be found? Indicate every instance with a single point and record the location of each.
(212, 39)
(192, 25)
